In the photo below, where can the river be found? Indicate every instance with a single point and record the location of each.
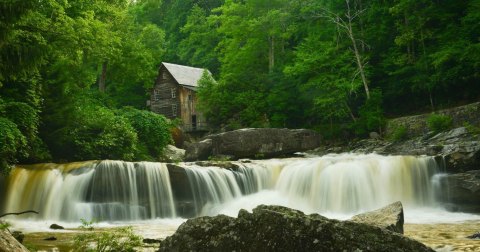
(155, 198)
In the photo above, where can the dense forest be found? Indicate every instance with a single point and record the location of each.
(75, 75)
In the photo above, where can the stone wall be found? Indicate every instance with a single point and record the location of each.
(417, 125)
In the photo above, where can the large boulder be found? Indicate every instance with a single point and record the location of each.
(199, 151)
(462, 190)
(255, 143)
(389, 217)
(275, 228)
(173, 154)
(9, 244)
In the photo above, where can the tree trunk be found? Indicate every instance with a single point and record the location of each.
(271, 54)
(358, 59)
(359, 4)
(103, 77)
(350, 112)
(431, 100)
(347, 26)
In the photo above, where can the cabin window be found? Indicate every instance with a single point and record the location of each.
(156, 95)
(174, 109)
(190, 98)
(174, 92)
(164, 75)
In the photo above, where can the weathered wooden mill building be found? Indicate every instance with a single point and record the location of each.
(174, 95)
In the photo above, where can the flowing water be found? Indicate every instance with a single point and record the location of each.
(146, 195)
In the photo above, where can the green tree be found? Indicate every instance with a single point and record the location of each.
(198, 47)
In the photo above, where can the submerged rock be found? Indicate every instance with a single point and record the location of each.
(389, 217)
(56, 226)
(461, 189)
(474, 236)
(8, 243)
(18, 235)
(151, 241)
(254, 143)
(276, 228)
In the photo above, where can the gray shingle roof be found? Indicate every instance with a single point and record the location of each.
(185, 75)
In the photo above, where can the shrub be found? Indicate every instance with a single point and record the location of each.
(438, 123)
(472, 129)
(95, 132)
(398, 133)
(119, 239)
(153, 130)
(4, 225)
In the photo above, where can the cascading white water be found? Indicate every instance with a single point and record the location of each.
(345, 184)
(125, 191)
(109, 190)
(212, 186)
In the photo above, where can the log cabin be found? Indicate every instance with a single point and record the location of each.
(174, 95)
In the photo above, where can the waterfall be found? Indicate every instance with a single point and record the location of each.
(343, 183)
(351, 183)
(212, 186)
(104, 191)
(124, 191)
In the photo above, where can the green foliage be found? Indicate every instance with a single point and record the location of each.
(330, 93)
(4, 225)
(118, 239)
(399, 133)
(371, 115)
(198, 47)
(12, 144)
(97, 133)
(219, 158)
(87, 225)
(210, 93)
(278, 63)
(153, 130)
(438, 123)
(472, 129)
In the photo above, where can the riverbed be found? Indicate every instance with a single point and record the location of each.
(440, 230)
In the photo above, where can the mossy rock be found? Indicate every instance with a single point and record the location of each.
(276, 228)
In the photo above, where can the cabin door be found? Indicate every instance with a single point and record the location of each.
(194, 122)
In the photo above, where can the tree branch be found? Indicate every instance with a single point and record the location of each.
(24, 212)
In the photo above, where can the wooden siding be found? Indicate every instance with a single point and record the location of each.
(161, 100)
